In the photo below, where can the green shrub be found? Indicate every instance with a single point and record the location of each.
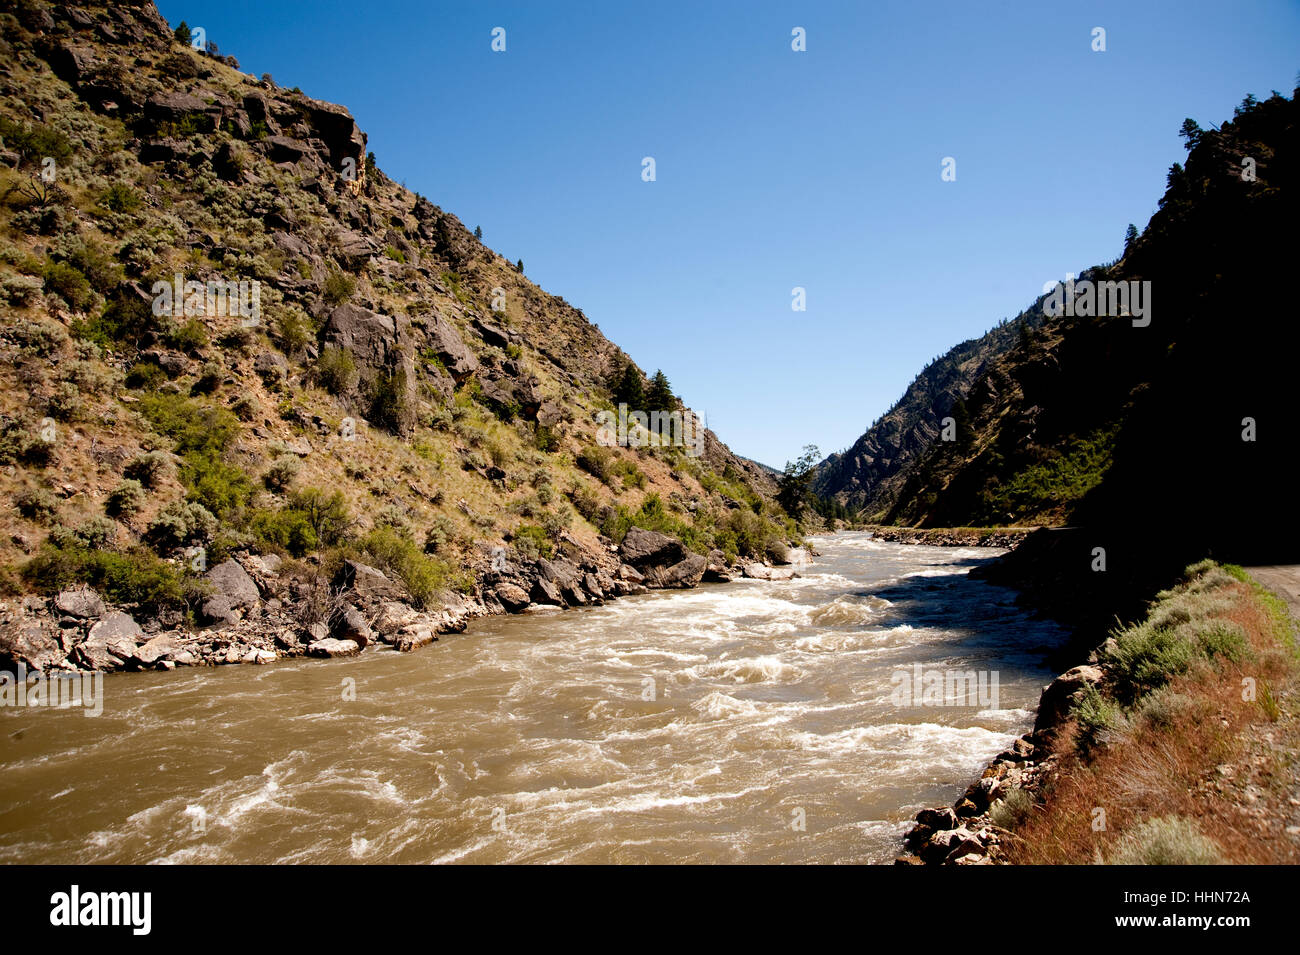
(135, 576)
(127, 498)
(339, 288)
(282, 472)
(67, 282)
(1012, 810)
(182, 522)
(1166, 840)
(1144, 659)
(101, 268)
(287, 528)
(188, 336)
(294, 331)
(390, 404)
(629, 472)
(120, 197)
(393, 551)
(126, 319)
(335, 370)
(149, 468)
(145, 375)
(546, 440)
(326, 513)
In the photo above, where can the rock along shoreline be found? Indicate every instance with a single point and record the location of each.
(256, 613)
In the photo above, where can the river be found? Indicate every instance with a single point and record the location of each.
(754, 722)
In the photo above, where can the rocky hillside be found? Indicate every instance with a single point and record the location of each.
(1177, 424)
(353, 383)
(868, 477)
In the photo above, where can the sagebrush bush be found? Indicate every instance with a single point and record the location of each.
(94, 532)
(127, 498)
(36, 503)
(1012, 809)
(339, 288)
(149, 468)
(1145, 658)
(335, 370)
(182, 522)
(282, 472)
(1166, 840)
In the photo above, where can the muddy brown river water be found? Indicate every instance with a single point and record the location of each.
(745, 722)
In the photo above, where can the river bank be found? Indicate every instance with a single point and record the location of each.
(259, 609)
(1008, 537)
(1172, 744)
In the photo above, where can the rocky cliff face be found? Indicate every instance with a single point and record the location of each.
(229, 336)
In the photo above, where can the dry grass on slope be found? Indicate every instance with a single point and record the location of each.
(1188, 754)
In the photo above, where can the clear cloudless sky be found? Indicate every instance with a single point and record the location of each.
(778, 169)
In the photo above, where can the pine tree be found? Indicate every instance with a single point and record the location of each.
(794, 486)
(659, 397)
(478, 232)
(1191, 133)
(1130, 237)
(519, 266)
(627, 388)
(182, 33)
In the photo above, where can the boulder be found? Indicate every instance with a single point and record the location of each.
(379, 345)
(229, 579)
(25, 640)
(716, 569)
(938, 819)
(353, 626)
(111, 642)
(681, 575)
(161, 647)
(271, 367)
(414, 637)
(546, 592)
(450, 349)
(175, 107)
(367, 583)
(331, 647)
(642, 548)
(513, 598)
(1062, 693)
(495, 334)
(393, 616)
(82, 602)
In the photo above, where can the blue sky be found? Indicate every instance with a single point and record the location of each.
(777, 169)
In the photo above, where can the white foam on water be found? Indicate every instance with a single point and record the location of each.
(719, 706)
